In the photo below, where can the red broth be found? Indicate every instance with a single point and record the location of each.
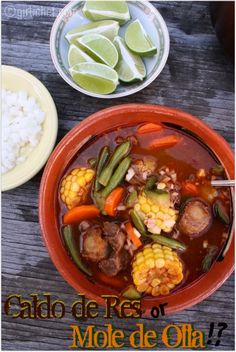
(186, 158)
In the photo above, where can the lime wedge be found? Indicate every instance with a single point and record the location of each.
(108, 28)
(95, 77)
(100, 10)
(76, 56)
(100, 48)
(130, 66)
(138, 40)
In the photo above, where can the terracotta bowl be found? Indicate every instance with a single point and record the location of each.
(98, 123)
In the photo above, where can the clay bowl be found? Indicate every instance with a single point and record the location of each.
(98, 123)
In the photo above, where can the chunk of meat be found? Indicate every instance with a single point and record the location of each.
(95, 248)
(114, 235)
(196, 218)
(115, 263)
(142, 168)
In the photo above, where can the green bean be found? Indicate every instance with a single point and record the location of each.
(220, 212)
(117, 177)
(168, 242)
(131, 293)
(92, 162)
(208, 259)
(120, 152)
(138, 223)
(217, 170)
(131, 199)
(71, 247)
(102, 159)
(150, 182)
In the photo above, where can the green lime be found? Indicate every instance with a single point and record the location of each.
(95, 77)
(100, 48)
(130, 66)
(76, 56)
(108, 28)
(100, 10)
(138, 40)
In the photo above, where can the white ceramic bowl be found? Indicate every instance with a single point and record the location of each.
(71, 17)
(16, 79)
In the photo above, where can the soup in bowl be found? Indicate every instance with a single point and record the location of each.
(127, 207)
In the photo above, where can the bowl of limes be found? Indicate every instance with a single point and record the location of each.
(109, 49)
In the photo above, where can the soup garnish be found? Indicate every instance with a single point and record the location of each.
(139, 213)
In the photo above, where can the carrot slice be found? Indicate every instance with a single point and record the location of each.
(113, 201)
(149, 127)
(164, 142)
(132, 236)
(189, 188)
(78, 214)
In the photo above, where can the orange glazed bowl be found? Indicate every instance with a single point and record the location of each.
(99, 123)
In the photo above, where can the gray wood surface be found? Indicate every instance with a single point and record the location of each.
(197, 78)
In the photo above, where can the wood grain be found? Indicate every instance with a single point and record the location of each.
(197, 78)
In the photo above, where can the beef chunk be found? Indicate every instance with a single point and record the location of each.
(142, 168)
(196, 218)
(114, 235)
(95, 248)
(118, 261)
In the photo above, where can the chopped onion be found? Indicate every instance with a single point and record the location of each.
(130, 174)
(137, 233)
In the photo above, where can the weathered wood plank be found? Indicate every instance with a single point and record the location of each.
(198, 78)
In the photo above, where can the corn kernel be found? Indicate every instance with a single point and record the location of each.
(156, 245)
(81, 181)
(171, 212)
(74, 187)
(74, 172)
(139, 260)
(142, 287)
(72, 194)
(150, 262)
(155, 282)
(155, 208)
(164, 290)
(147, 250)
(145, 208)
(88, 177)
(156, 291)
(159, 262)
(142, 200)
(67, 186)
(139, 255)
(160, 215)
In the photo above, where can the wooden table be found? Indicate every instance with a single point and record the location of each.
(197, 78)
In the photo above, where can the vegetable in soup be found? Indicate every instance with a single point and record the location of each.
(138, 212)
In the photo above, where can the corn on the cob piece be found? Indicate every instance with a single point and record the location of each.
(156, 270)
(75, 186)
(156, 218)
